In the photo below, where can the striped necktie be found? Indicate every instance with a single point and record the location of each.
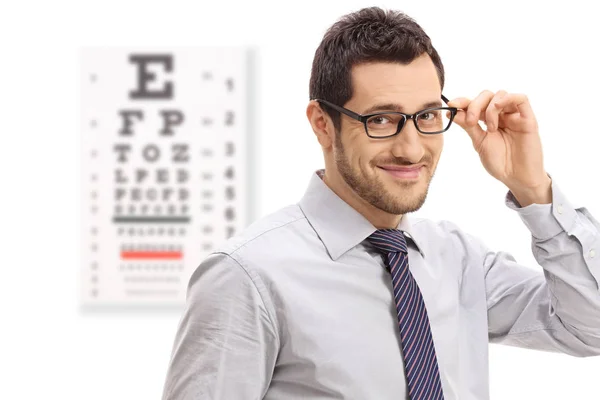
(418, 350)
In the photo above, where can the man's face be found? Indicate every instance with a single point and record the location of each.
(366, 164)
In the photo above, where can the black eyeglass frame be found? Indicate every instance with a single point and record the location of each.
(401, 123)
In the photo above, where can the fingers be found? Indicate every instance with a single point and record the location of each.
(493, 110)
(516, 102)
(459, 102)
(477, 107)
(462, 103)
(488, 106)
(472, 111)
(470, 114)
(500, 110)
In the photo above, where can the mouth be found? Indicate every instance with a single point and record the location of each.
(404, 173)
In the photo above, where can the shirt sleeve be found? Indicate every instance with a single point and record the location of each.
(226, 343)
(557, 310)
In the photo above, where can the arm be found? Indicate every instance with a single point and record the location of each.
(226, 343)
(558, 310)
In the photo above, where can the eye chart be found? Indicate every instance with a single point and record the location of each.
(164, 167)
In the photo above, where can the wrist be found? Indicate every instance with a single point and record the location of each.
(537, 194)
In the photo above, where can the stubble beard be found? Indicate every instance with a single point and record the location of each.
(405, 200)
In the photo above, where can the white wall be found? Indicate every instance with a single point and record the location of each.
(49, 349)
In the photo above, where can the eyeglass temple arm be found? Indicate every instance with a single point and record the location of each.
(341, 109)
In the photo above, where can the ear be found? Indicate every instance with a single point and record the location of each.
(321, 123)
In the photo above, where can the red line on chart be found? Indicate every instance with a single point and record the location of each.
(151, 255)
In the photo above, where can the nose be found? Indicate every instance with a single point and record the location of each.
(408, 144)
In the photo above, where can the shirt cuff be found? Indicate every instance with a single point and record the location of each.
(545, 221)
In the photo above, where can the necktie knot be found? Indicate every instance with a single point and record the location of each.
(388, 240)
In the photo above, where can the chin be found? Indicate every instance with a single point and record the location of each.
(409, 197)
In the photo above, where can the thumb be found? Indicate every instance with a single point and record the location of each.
(460, 102)
(473, 130)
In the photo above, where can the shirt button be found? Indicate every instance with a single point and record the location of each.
(592, 253)
(559, 208)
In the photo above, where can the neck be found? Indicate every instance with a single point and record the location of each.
(378, 218)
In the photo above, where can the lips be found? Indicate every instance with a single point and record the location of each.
(399, 172)
(399, 168)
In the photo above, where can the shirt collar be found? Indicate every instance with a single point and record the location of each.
(339, 226)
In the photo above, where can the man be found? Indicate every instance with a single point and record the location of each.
(344, 295)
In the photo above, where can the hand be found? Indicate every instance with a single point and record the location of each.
(510, 149)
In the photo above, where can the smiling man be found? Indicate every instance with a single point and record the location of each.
(383, 177)
(345, 295)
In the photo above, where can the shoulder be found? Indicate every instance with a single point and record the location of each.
(269, 241)
(242, 262)
(268, 232)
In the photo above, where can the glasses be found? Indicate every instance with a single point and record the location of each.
(431, 121)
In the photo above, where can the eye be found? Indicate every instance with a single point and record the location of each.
(379, 120)
(382, 120)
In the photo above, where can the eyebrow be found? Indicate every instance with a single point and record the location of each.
(398, 107)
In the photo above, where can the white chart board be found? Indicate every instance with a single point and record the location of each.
(164, 177)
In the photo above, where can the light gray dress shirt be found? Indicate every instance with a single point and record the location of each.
(299, 305)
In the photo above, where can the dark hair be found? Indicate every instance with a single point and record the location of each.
(370, 34)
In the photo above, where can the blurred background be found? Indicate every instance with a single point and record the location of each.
(51, 348)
